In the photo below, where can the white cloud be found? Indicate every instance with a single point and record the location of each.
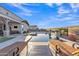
(64, 19)
(44, 23)
(21, 7)
(54, 22)
(76, 22)
(24, 11)
(58, 4)
(74, 6)
(31, 4)
(62, 10)
(49, 4)
(25, 14)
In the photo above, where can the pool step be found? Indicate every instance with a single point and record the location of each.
(40, 50)
(38, 43)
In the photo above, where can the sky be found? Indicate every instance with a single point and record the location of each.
(46, 15)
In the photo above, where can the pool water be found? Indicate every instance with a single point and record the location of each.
(40, 38)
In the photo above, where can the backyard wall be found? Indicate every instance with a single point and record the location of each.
(73, 32)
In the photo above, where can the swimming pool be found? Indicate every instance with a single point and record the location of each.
(40, 38)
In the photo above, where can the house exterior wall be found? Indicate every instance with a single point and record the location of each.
(5, 12)
(15, 27)
(25, 27)
(7, 17)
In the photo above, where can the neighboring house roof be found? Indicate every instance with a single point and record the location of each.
(25, 22)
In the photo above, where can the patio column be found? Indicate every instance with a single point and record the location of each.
(21, 31)
(7, 29)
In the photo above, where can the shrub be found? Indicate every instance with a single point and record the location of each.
(24, 32)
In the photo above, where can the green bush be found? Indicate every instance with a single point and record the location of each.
(24, 32)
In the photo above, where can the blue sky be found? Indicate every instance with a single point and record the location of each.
(46, 15)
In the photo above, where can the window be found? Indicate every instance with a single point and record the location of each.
(4, 27)
(15, 26)
(7, 13)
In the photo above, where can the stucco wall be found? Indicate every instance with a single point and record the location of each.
(25, 26)
(15, 29)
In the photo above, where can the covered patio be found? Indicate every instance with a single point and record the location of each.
(8, 27)
(10, 23)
